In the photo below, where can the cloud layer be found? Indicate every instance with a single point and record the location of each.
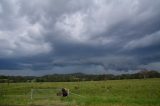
(67, 36)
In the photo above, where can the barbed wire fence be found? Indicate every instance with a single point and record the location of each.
(30, 96)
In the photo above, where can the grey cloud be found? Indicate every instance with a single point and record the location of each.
(69, 36)
(17, 35)
(151, 66)
(148, 40)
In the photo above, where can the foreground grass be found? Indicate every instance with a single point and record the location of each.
(142, 92)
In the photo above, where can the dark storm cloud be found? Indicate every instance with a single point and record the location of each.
(67, 36)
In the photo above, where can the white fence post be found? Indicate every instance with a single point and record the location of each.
(31, 94)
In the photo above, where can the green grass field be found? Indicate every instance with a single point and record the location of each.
(139, 92)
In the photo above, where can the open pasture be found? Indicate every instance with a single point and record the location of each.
(137, 92)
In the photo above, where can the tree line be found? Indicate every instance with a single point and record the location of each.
(79, 77)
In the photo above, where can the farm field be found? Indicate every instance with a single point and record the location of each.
(135, 92)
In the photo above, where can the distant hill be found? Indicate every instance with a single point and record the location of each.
(79, 77)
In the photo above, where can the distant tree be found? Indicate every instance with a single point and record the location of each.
(144, 73)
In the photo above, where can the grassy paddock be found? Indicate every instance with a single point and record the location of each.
(139, 92)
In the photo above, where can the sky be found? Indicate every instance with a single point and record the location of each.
(40, 37)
